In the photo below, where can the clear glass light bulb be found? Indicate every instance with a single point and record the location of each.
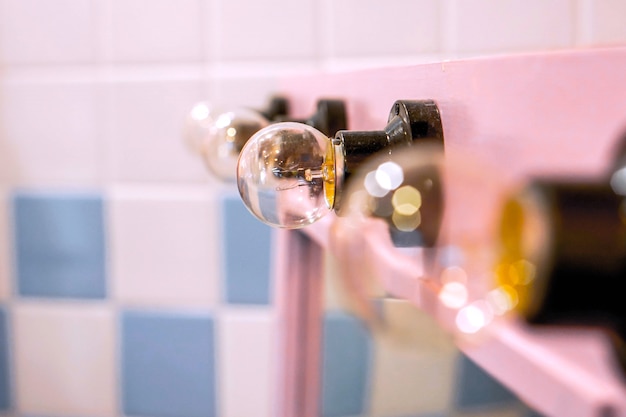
(436, 216)
(286, 175)
(232, 129)
(219, 136)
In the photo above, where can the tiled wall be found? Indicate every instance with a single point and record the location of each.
(406, 366)
(131, 282)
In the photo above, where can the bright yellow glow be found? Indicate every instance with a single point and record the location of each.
(502, 299)
(406, 223)
(328, 174)
(231, 132)
(515, 273)
(523, 271)
(406, 200)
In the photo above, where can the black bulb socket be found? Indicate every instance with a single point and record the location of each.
(410, 123)
(329, 118)
(277, 109)
(584, 256)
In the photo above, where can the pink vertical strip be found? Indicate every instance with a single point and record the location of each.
(299, 275)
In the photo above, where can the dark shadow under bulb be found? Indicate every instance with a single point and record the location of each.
(290, 174)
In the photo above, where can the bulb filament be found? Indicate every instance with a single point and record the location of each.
(304, 176)
(316, 178)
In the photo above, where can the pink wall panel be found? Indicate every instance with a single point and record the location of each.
(534, 114)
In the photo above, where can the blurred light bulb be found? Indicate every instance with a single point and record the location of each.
(436, 214)
(286, 175)
(231, 132)
(488, 242)
(219, 136)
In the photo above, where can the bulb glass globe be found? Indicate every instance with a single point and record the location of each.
(227, 136)
(438, 215)
(286, 175)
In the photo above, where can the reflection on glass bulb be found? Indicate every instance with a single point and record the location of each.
(473, 317)
(198, 126)
(231, 132)
(286, 175)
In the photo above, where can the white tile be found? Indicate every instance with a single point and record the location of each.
(144, 131)
(42, 31)
(607, 21)
(247, 363)
(414, 366)
(164, 245)
(64, 358)
(234, 92)
(496, 26)
(5, 251)
(349, 64)
(268, 29)
(401, 27)
(156, 30)
(49, 133)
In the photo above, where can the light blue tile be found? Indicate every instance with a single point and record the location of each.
(247, 255)
(476, 388)
(347, 355)
(168, 364)
(5, 387)
(59, 244)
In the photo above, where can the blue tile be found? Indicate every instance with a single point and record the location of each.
(247, 255)
(59, 245)
(168, 364)
(476, 388)
(5, 388)
(347, 354)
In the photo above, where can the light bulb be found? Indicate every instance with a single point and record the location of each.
(432, 214)
(570, 235)
(488, 243)
(290, 174)
(219, 136)
(286, 174)
(231, 130)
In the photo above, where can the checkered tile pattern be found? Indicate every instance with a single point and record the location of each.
(131, 281)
